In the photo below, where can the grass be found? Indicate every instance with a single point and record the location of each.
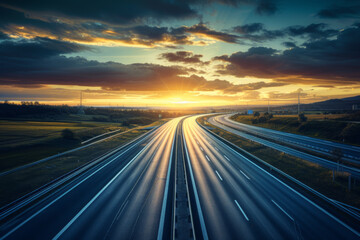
(22, 142)
(313, 127)
(311, 174)
(21, 182)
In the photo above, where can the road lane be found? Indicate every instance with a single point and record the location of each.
(119, 199)
(351, 153)
(242, 205)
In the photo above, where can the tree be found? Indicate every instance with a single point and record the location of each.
(256, 114)
(302, 117)
(350, 133)
(68, 134)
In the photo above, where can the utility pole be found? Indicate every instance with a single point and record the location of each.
(269, 105)
(299, 102)
(81, 109)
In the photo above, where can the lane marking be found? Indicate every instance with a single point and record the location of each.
(197, 142)
(242, 211)
(163, 209)
(76, 185)
(245, 175)
(207, 158)
(282, 210)
(197, 200)
(218, 175)
(201, 149)
(216, 149)
(95, 197)
(227, 158)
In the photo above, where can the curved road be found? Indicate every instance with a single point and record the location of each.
(351, 153)
(127, 196)
(239, 200)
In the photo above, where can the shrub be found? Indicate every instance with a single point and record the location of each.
(256, 114)
(68, 134)
(351, 133)
(125, 123)
(302, 117)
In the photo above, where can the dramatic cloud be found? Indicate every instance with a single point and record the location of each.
(203, 30)
(39, 62)
(326, 61)
(18, 24)
(126, 12)
(249, 28)
(183, 57)
(258, 33)
(337, 11)
(266, 7)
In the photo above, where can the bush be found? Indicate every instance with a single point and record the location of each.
(254, 120)
(256, 114)
(351, 133)
(125, 123)
(68, 134)
(262, 119)
(302, 117)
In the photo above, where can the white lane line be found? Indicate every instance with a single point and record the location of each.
(197, 200)
(216, 149)
(242, 211)
(207, 158)
(201, 149)
(227, 158)
(293, 190)
(163, 209)
(244, 175)
(197, 142)
(97, 195)
(218, 175)
(282, 210)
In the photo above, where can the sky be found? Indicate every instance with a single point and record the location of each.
(179, 53)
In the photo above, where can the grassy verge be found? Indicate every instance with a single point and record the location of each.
(23, 142)
(313, 127)
(311, 174)
(19, 183)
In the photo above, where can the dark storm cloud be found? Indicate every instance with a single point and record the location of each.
(266, 7)
(3, 36)
(313, 31)
(126, 12)
(258, 33)
(249, 28)
(37, 48)
(204, 30)
(327, 61)
(16, 23)
(38, 62)
(183, 57)
(337, 11)
(289, 44)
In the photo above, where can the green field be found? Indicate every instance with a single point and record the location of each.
(23, 142)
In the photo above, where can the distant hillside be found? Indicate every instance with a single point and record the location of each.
(334, 104)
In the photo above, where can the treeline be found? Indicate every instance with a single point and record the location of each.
(36, 110)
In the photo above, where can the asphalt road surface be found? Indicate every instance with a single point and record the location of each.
(127, 196)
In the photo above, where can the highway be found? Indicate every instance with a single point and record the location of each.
(130, 195)
(239, 200)
(122, 198)
(280, 147)
(350, 153)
